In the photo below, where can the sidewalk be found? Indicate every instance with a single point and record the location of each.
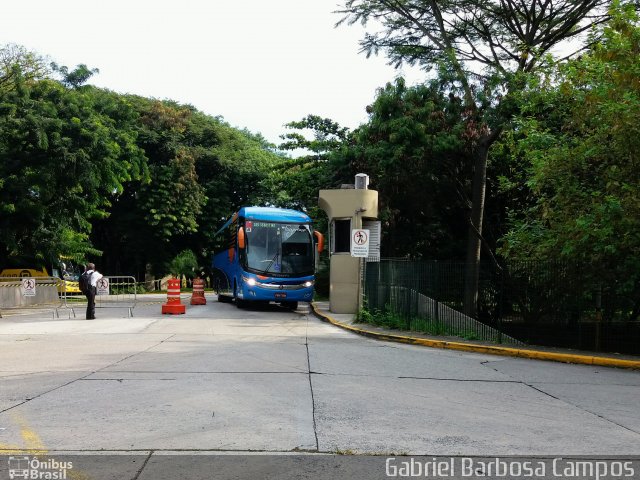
(347, 321)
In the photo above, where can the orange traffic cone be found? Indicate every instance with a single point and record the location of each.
(197, 297)
(173, 305)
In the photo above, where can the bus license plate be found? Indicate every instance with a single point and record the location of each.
(281, 295)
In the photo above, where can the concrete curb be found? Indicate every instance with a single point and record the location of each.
(489, 349)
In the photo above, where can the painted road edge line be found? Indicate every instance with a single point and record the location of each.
(489, 349)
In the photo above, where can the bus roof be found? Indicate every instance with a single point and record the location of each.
(269, 214)
(273, 214)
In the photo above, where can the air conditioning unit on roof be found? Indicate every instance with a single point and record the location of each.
(362, 181)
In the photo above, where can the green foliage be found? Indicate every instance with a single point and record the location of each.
(185, 263)
(391, 319)
(201, 171)
(328, 136)
(61, 158)
(498, 37)
(18, 62)
(85, 170)
(295, 182)
(413, 148)
(76, 77)
(584, 167)
(482, 52)
(387, 318)
(172, 200)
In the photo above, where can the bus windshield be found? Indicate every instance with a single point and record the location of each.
(279, 248)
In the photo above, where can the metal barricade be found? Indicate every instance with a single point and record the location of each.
(111, 292)
(72, 299)
(26, 295)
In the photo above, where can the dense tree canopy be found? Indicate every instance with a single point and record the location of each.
(414, 150)
(482, 50)
(584, 174)
(62, 155)
(201, 170)
(16, 61)
(87, 172)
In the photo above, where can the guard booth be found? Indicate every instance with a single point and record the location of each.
(354, 238)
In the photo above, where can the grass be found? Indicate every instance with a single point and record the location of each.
(390, 319)
(339, 451)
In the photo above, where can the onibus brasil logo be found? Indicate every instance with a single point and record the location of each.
(36, 469)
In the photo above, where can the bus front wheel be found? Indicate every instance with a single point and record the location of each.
(221, 298)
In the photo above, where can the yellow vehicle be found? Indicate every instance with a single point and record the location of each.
(69, 279)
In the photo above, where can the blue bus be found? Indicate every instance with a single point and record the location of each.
(268, 255)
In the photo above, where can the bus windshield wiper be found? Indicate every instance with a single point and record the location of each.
(275, 257)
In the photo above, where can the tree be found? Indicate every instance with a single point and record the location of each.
(200, 171)
(295, 182)
(482, 50)
(328, 136)
(75, 78)
(62, 159)
(156, 209)
(17, 61)
(413, 149)
(233, 167)
(184, 264)
(584, 174)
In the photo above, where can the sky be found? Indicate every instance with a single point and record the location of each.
(259, 64)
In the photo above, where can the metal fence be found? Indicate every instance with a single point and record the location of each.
(412, 296)
(541, 303)
(117, 292)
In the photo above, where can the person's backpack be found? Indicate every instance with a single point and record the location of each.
(84, 282)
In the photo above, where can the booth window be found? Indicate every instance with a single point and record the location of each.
(341, 238)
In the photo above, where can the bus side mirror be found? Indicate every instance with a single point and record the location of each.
(241, 238)
(320, 239)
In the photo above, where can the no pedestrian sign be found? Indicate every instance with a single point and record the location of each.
(102, 286)
(360, 243)
(29, 287)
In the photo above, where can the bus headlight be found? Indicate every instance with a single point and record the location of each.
(250, 281)
(308, 284)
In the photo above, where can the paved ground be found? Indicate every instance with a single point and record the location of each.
(223, 379)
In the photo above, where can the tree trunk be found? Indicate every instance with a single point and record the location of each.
(474, 235)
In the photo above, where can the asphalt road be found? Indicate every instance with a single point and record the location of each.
(228, 380)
